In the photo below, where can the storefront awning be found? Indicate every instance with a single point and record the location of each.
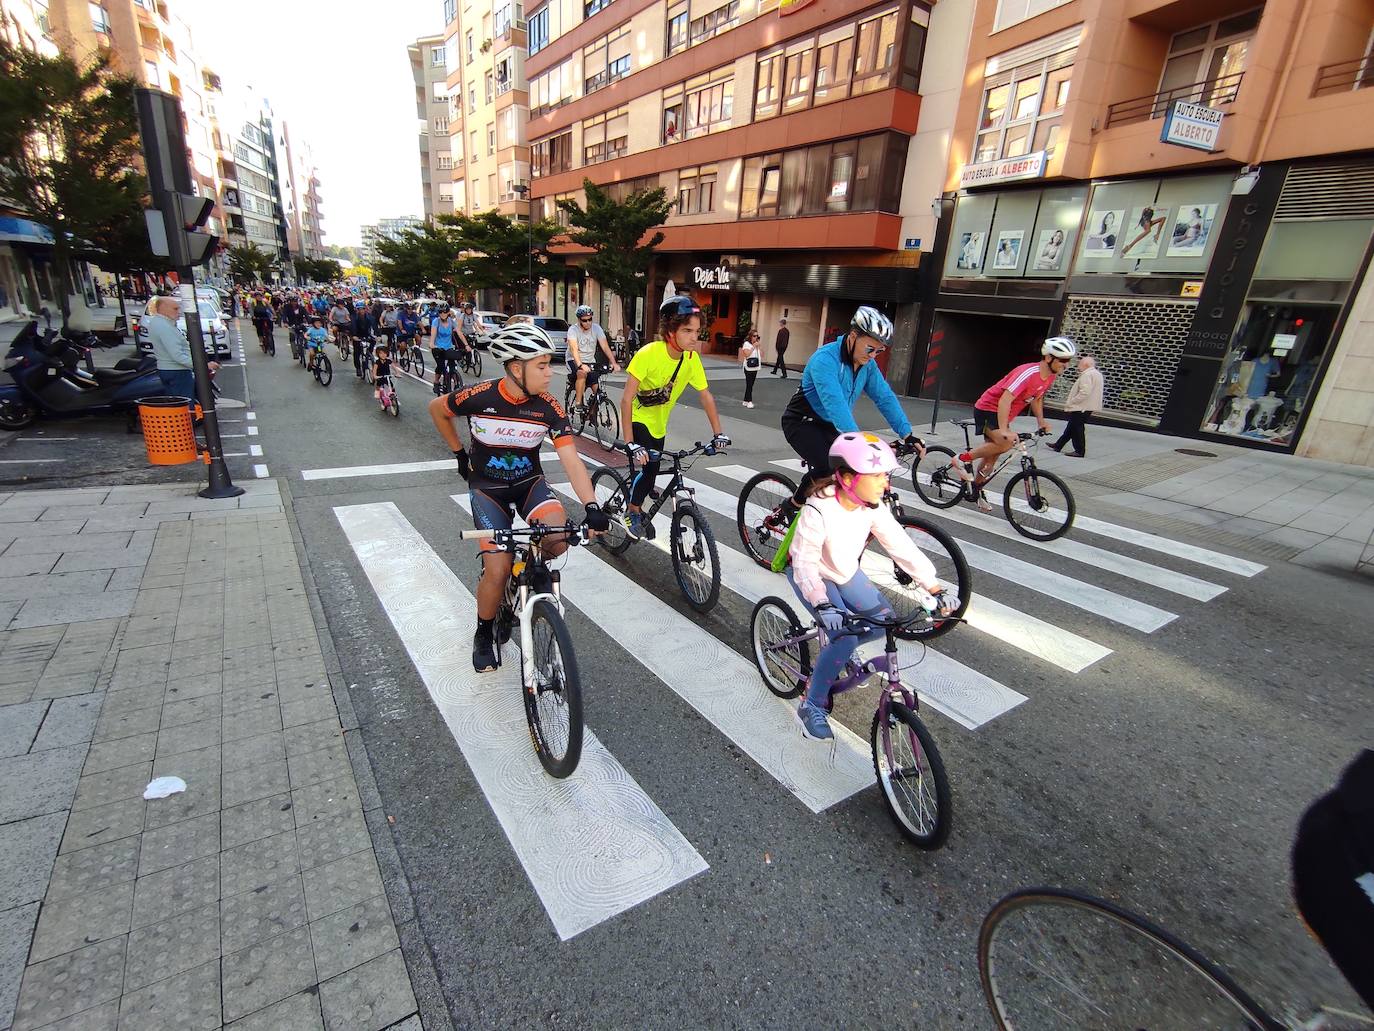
(21, 230)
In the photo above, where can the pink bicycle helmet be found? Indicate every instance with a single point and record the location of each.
(862, 453)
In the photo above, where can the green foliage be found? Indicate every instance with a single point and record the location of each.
(316, 270)
(249, 263)
(615, 231)
(69, 145)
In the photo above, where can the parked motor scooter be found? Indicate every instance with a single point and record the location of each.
(47, 380)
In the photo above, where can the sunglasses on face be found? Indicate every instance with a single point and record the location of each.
(879, 349)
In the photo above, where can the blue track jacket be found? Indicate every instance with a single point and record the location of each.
(831, 387)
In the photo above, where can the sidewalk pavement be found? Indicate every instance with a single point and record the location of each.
(153, 633)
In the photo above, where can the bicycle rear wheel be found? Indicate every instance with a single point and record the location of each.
(1038, 504)
(395, 406)
(613, 497)
(605, 420)
(1056, 959)
(759, 529)
(577, 420)
(553, 702)
(696, 560)
(898, 589)
(933, 479)
(785, 668)
(324, 371)
(911, 776)
(344, 351)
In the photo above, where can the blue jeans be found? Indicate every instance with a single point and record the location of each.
(178, 383)
(857, 596)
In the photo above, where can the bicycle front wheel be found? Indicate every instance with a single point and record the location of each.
(912, 777)
(1038, 504)
(1055, 959)
(324, 371)
(475, 364)
(344, 351)
(613, 497)
(760, 530)
(605, 420)
(783, 661)
(417, 361)
(899, 590)
(934, 480)
(696, 560)
(576, 419)
(553, 701)
(395, 405)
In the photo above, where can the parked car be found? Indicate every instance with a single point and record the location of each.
(557, 330)
(211, 326)
(493, 320)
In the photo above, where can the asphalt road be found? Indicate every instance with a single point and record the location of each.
(1168, 775)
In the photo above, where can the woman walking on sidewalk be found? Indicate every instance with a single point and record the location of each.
(750, 360)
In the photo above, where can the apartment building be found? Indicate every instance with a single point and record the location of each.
(251, 169)
(301, 195)
(1187, 188)
(428, 68)
(385, 229)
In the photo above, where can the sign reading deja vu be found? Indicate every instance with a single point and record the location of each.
(720, 277)
(1191, 125)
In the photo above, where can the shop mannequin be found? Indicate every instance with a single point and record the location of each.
(1235, 419)
(1265, 408)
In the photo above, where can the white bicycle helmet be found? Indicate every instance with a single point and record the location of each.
(872, 323)
(1059, 347)
(519, 342)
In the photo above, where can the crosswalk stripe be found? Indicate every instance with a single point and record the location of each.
(593, 845)
(719, 683)
(342, 472)
(963, 694)
(1055, 645)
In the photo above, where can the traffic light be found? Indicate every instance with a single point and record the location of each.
(199, 244)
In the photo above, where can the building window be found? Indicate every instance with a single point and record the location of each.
(551, 156)
(491, 140)
(1022, 108)
(154, 76)
(710, 24)
(1211, 55)
(591, 7)
(677, 28)
(702, 105)
(696, 190)
(472, 99)
(489, 84)
(472, 136)
(470, 51)
(607, 59)
(100, 19)
(539, 31)
(552, 90)
(1013, 12)
(440, 125)
(876, 53)
(768, 84)
(438, 56)
(606, 136)
(440, 93)
(450, 10)
(847, 175)
(445, 161)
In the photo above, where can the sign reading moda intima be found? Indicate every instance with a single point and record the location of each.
(721, 277)
(1191, 125)
(1027, 166)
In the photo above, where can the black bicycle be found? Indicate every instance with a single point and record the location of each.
(266, 340)
(1038, 504)
(691, 542)
(470, 361)
(549, 681)
(447, 378)
(411, 356)
(598, 412)
(321, 367)
(297, 342)
(762, 526)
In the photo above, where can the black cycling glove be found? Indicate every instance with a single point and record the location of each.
(596, 519)
(463, 465)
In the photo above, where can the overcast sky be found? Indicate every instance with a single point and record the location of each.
(339, 74)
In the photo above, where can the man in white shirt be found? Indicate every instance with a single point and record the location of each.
(1085, 398)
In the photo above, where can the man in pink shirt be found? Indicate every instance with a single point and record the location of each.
(1004, 401)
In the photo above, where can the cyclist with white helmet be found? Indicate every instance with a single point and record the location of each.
(584, 341)
(508, 419)
(843, 511)
(834, 377)
(1004, 401)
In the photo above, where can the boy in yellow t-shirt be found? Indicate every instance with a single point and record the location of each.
(658, 374)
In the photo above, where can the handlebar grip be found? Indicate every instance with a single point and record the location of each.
(476, 535)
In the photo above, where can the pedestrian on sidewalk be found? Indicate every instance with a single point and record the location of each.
(750, 360)
(171, 348)
(780, 345)
(1085, 399)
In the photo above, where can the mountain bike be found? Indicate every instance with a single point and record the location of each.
(411, 357)
(266, 339)
(549, 682)
(762, 525)
(470, 361)
(1037, 503)
(599, 413)
(342, 341)
(447, 377)
(297, 342)
(910, 773)
(691, 542)
(321, 368)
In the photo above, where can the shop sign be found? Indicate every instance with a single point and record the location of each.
(719, 277)
(1027, 166)
(911, 243)
(1191, 125)
(1192, 288)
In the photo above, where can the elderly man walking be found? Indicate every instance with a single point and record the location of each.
(1085, 398)
(172, 350)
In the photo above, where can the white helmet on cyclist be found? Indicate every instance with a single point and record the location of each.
(862, 453)
(1059, 347)
(519, 342)
(584, 310)
(872, 323)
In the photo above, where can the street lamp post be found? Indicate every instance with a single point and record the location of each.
(523, 189)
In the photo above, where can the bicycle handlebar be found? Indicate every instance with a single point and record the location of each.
(700, 448)
(578, 533)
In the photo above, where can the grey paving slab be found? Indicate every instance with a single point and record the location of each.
(313, 767)
(179, 843)
(104, 1017)
(19, 726)
(38, 783)
(97, 789)
(300, 1012)
(255, 863)
(327, 840)
(81, 920)
(76, 561)
(311, 737)
(265, 912)
(201, 798)
(187, 737)
(352, 936)
(24, 564)
(103, 824)
(189, 1001)
(58, 496)
(48, 611)
(180, 889)
(190, 710)
(23, 531)
(326, 800)
(28, 848)
(253, 782)
(267, 972)
(172, 946)
(115, 724)
(16, 927)
(119, 701)
(261, 818)
(69, 721)
(70, 983)
(1331, 554)
(250, 751)
(124, 751)
(369, 997)
(343, 883)
(74, 873)
(63, 687)
(194, 687)
(1293, 537)
(189, 765)
(52, 585)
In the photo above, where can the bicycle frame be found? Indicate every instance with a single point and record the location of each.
(859, 669)
(676, 488)
(524, 609)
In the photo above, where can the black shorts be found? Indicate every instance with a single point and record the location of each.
(494, 505)
(594, 372)
(984, 423)
(808, 435)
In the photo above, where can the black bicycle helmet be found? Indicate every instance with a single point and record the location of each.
(679, 308)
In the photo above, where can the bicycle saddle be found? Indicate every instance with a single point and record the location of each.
(965, 423)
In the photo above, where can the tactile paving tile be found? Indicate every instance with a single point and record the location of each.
(161, 950)
(375, 994)
(263, 913)
(70, 983)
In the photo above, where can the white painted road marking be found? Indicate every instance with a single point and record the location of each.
(260, 471)
(377, 470)
(593, 845)
(255, 450)
(732, 697)
(252, 431)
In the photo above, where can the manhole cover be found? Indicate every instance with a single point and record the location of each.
(1194, 452)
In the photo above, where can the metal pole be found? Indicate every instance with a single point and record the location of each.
(220, 485)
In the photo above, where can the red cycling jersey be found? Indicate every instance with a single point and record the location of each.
(1025, 384)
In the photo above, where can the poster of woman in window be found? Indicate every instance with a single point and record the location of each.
(970, 251)
(1103, 227)
(1192, 230)
(1049, 254)
(1147, 228)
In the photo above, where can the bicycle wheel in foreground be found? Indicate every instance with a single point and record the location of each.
(759, 531)
(696, 561)
(1056, 960)
(934, 480)
(417, 362)
(785, 668)
(912, 777)
(553, 702)
(324, 370)
(1039, 505)
(612, 495)
(898, 589)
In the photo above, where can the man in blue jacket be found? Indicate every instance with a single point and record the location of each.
(834, 377)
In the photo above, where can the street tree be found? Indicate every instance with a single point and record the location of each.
(616, 232)
(419, 256)
(69, 147)
(248, 263)
(502, 253)
(316, 270)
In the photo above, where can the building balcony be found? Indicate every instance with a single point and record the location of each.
(1344, 76)
(1211, 92)
(511, 97)
(514, 36)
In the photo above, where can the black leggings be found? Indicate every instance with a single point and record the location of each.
(648, 472)
(810, 437)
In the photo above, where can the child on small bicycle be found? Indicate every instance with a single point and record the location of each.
(381, 374)
(315, 339)
(842, 512)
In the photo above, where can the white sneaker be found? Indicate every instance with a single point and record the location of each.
(749, 404)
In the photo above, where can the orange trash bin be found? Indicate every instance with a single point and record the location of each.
(167, 431)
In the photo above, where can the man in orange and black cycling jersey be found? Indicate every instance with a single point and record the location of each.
(508, 420)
